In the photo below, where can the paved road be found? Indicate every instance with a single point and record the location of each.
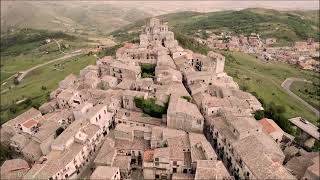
(72, 54)
(286, 86)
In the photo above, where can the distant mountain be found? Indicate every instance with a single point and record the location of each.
(286, 26)
(79, 17)
(101, 18)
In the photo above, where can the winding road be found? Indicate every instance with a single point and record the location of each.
(72, 54)
(286, 86)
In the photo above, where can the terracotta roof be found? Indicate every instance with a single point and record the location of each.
(269, 125)
(148, 155)
(30, 123)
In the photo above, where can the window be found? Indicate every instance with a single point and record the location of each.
(174, 163)
(174, 170)
(156, 159)
(185, 171)
(156, 163)
(157, 176)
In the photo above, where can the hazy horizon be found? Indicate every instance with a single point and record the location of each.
(206, 6)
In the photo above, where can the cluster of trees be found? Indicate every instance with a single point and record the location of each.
(148, 70)
(150, 107)
(11, 111)
(109, 51)
(6, 153)
(274, 112)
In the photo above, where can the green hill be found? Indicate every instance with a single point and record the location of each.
(286, 26)
(26, 48)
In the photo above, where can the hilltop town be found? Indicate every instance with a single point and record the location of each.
(304, 54)
(154, 111)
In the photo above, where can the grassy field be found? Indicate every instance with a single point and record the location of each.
(310, 92)
(23, 49)
(38, 84)
(265, 79)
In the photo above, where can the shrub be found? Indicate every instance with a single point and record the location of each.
(188, 98)
(148, 70)
(259, 114)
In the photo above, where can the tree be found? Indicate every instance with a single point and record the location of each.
(150, 107)
(259, 115)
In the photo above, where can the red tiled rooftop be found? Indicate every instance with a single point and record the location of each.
(269, 126)
(148, 155)
(30, 123)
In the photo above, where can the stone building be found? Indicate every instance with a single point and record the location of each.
(121, 70)
(184, 115)
(244, 148)
(68, 98)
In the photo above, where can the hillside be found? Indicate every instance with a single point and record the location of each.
(26, 48)
(78, 18)
(286, 26)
